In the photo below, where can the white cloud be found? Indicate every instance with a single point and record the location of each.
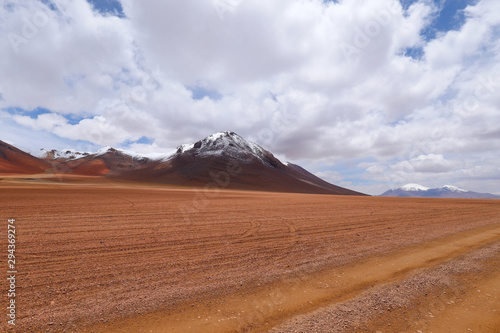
(64, 60)
(47, 122)
(333, 177)
(320, 83)
(431, 163)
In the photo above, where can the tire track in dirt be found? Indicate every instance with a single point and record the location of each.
(262, 309)
(132, 204)
(95, 254)
(255, 226)
(431, 296)
(292, 229)
(477, 311)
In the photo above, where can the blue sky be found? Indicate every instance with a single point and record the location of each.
(450, 17)
(108, 7)
(369, 95)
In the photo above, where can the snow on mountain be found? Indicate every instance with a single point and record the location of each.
(104, 150)
(452, 188)
(225, 143)
(134, 155)
(412, 187)
(184, 147)
(446, 191)
(68, 154)
(417, 187)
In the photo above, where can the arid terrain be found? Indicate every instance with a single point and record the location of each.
(95, 255)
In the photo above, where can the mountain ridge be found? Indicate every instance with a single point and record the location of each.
(16, 161)
(194, 165)
(446, 191)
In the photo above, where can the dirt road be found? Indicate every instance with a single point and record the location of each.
(122, 257)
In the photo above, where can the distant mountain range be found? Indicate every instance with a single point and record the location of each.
(447, 191)
(221, 160)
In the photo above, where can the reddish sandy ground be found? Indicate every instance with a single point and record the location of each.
(116, 257)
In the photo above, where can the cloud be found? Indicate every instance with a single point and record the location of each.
(66, 59)
(320, 83)
(333, 177)
(47, 122)
(431, 163)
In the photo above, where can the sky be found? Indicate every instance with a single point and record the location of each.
(368, 95)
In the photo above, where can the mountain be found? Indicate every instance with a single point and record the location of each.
(226, 160)
(16, 161)
(61, 156)
(413, 188)
(107, 162)
(221, 160)
(446, 191)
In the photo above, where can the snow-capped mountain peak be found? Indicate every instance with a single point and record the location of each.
(105, 150)
(224, 143)
(413, 187)
(446, 191)
(134, 155)
(452, 188)
(55, 154)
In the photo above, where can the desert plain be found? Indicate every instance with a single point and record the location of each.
(95, 255)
